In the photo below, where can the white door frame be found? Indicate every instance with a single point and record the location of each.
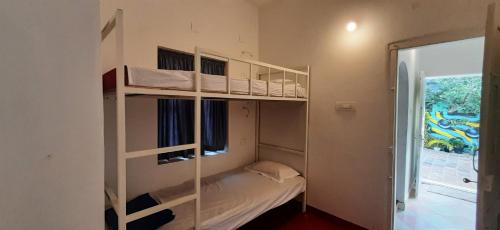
(392, 69)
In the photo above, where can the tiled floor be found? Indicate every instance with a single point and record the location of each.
(433, 211)
(447, 168)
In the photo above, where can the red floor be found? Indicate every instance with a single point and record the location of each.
(289, 216)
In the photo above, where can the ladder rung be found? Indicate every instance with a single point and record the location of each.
(160, 207)
(149, 152)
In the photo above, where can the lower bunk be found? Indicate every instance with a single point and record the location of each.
(231, 199)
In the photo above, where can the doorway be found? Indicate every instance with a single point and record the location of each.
(437, 136)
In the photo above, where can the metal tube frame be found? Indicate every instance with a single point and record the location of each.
(118, 200)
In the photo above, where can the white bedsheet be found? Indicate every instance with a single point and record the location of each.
(230, 200)
(241, 86)
(171, 79)
(174, 79)
(184, 80)
(276, 89)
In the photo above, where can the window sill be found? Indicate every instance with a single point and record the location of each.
(214, 153)
(178, 159)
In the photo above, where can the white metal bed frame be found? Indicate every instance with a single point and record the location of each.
(118, 200)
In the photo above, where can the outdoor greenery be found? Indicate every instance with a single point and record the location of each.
(452, 107)
(459, 94)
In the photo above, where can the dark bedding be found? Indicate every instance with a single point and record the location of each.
(150, 222)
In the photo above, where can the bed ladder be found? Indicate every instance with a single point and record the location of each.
(118, 201)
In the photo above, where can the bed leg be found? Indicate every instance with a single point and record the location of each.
(304, 203)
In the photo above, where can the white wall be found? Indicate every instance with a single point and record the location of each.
(227, 26)
(282, 124)
(349, 161)
(459, 57)
(51, 138)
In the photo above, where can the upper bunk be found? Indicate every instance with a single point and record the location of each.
(254, 80)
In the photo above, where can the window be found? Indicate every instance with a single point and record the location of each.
(213, 126)
(176, 116)
(174, 60)
(176, 127)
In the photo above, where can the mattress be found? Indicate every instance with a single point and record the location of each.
(174, 79)
(276, 89)
(241, 86)
(184, 80)
(229, 200)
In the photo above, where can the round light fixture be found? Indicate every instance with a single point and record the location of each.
(351, 26)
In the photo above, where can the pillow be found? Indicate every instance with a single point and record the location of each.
(273, 170)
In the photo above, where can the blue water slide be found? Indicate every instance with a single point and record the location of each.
(448, 116)
(450, 132)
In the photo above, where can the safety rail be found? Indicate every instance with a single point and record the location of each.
(202, 52)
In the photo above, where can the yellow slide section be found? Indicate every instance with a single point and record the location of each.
(441, 133)
(472, 124)
(429, 117)
(437, 141)
(439, 116)
(462, 133)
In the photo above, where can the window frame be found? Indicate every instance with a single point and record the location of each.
(205, 153)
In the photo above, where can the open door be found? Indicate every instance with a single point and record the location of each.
(488, 208)
(402, 113)
(418, 133)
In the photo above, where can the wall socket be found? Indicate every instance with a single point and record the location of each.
(345, 105)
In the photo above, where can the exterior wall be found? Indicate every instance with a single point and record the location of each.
(452, 58)
(349, 162)
(51, 138)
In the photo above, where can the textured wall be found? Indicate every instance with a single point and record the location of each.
(51, 138)
(349, 160)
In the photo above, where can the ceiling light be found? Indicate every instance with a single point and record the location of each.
(351, 26)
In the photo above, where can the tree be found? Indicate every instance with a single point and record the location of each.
(457, 94)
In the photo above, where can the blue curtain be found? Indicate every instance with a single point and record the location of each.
(175, 125)
(173, 60)
(176, 116)
(214, 125)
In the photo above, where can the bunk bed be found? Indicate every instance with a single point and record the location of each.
(227, 200)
